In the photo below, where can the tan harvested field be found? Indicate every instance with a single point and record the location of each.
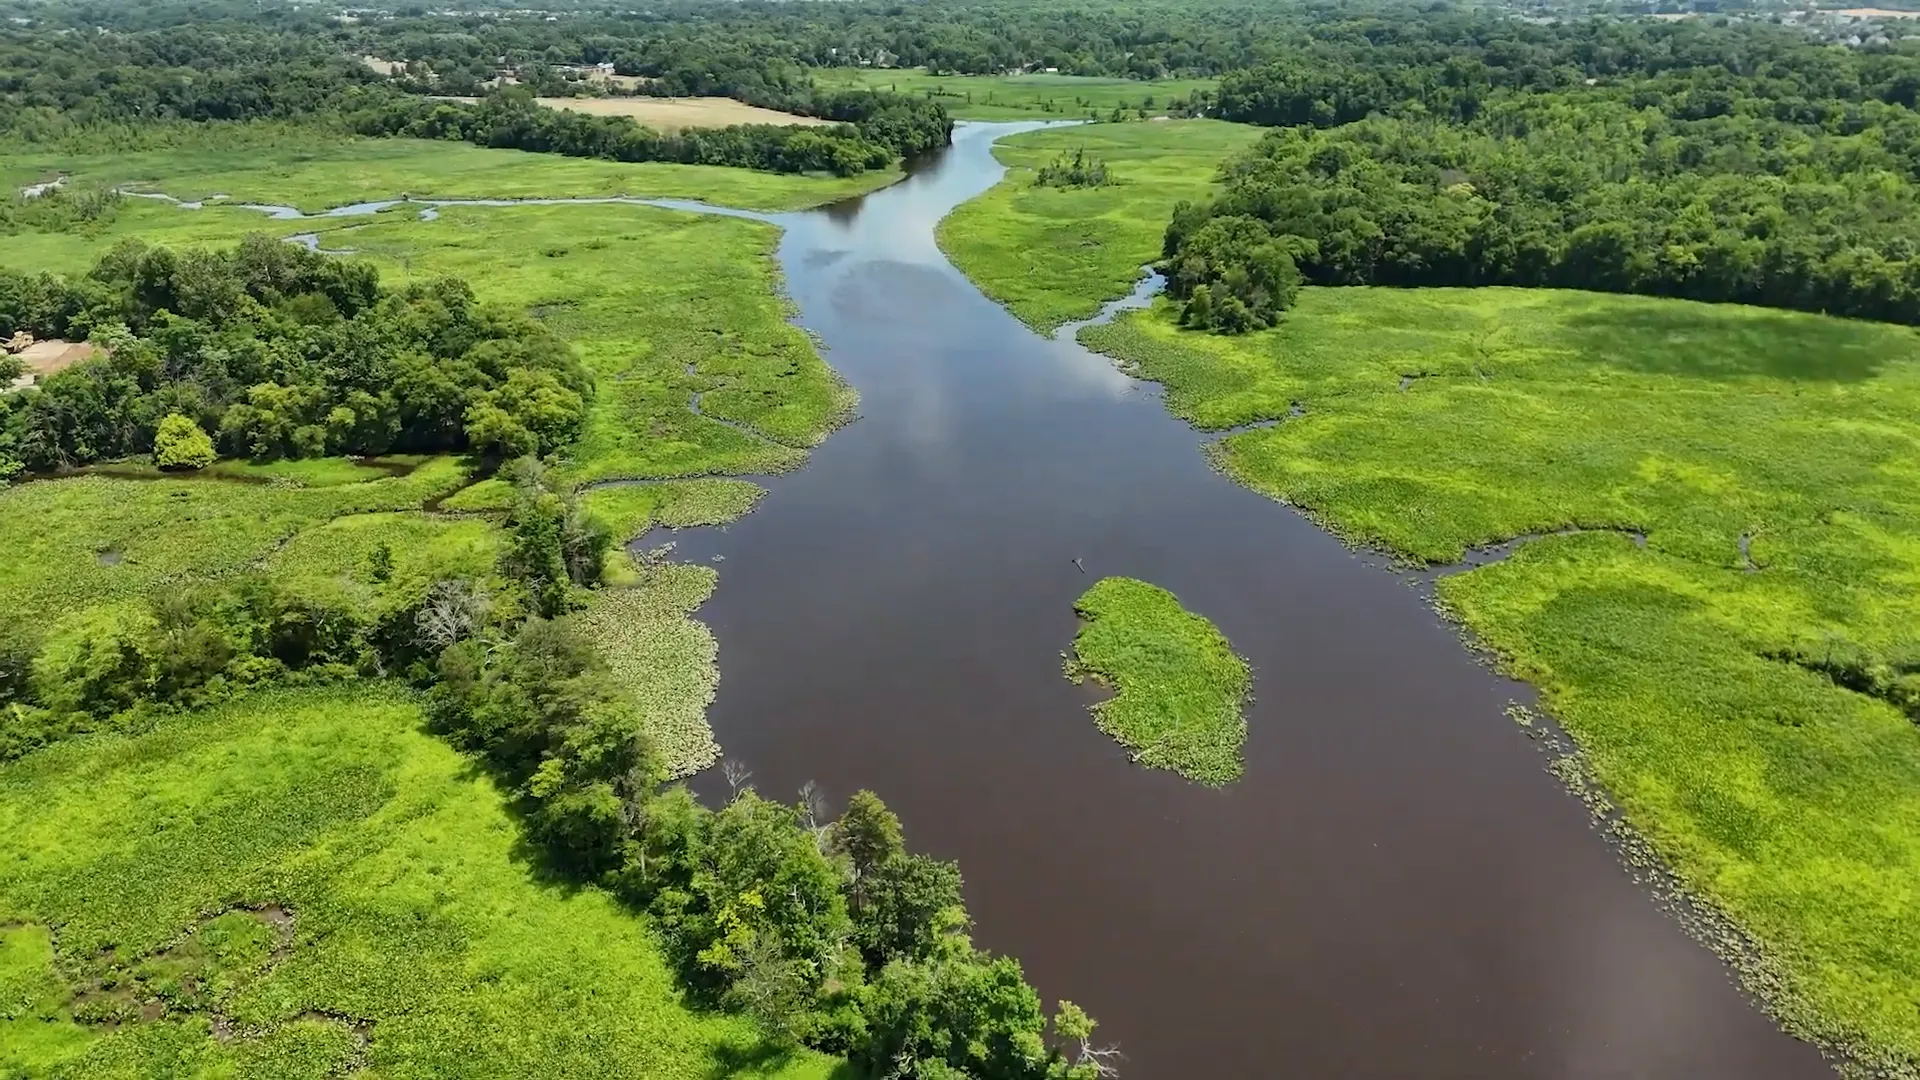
(1878, 13)
(674, 114)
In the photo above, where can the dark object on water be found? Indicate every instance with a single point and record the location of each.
(1076, 562)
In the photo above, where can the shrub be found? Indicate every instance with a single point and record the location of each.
(180, 444)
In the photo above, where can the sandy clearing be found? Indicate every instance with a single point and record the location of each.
(674, 114)
(1877, 13)
(46, 357)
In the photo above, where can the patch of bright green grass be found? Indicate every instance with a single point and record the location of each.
(1051, 254)
(314, 169)
(1020, 97)
(336, 561)
(71, 543)
(328, 888)
(1439, 419)
(1178, 686)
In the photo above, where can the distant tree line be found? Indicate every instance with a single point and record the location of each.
(888, 128)
(1718, 164)
(278, 352)
(58, 84)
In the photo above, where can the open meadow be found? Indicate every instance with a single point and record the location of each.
(1052, 254)
(314, 170)
(1035, 96)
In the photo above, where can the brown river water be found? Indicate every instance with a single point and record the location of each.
(1396, 888)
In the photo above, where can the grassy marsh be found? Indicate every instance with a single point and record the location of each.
(89, 539)
(1178, 688)
(1050, 254)
(314, 169)
(715, 327)
(304, 884)
(1768, 459)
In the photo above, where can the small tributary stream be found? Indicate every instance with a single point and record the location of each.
(1396, 888)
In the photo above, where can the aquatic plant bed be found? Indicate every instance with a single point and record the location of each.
(1179, 689)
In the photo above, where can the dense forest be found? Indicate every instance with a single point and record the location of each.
(275, 351)
(1725, 164)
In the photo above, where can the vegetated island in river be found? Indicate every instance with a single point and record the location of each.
(1179, 688)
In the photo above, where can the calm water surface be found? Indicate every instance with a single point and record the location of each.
(1395, 889)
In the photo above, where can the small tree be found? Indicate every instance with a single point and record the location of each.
(180, 444)
(868, 834)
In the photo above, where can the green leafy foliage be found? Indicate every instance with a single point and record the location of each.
(286, 353)
(1178, 687)
(316, 877)
(179, 443)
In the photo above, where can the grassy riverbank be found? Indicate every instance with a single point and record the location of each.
(1178, 688)
(1766, 458)
(379, 915)
(1728, 629)
(1051, 254)
(1038, 96)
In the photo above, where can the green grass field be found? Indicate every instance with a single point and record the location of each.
(1019, 97)
(302, 885)
(1178, 687)
(1772, 462)
(1051, 255)
(315, 170)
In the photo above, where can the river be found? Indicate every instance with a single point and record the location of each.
(1396, 888)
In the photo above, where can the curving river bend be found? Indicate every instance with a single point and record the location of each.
(1396, 888)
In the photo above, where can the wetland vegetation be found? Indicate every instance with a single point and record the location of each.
(234, 844)
(1714, 589)
(1178, 688)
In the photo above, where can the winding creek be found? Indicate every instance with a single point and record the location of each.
(1396, 888)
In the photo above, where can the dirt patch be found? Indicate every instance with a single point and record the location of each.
(674, 114)
(43, 358)
(1877, 13)
(384, 67)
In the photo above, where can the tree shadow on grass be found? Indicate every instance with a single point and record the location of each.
(1727, 342)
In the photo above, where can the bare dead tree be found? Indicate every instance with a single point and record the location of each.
(737, 775)
(813, 804)
(454, 608)
(1100, 1061)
